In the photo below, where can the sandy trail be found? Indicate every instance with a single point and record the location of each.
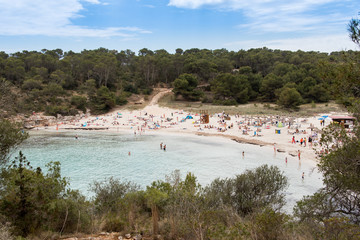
(159, 95)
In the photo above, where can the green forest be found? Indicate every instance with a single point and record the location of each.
(38, 203)
(57, 82)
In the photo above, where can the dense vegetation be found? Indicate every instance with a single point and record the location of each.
(65, 82)
(39, 204)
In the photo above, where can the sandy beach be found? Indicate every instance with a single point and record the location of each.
(271, 131)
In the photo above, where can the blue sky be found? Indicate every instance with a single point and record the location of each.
(308, 25)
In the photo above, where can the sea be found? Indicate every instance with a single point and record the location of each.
(86, 157)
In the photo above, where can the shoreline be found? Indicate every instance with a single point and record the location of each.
(277, 131)
(289, 149)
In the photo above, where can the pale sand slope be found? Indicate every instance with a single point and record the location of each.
(155, 119)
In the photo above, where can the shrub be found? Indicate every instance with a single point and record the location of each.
(147, 91)
(289, 98)
(53, 90)
(226, 102)
(114, 224)
(103, 101)
(130, 88)
(31, 84)
(79, 102)
(313, 105)
(54, 110)
(121, 99)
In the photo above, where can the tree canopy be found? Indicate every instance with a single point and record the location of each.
(47, 80)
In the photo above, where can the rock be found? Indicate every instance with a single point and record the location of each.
(120, 238)
(128, 236)
(138, 237)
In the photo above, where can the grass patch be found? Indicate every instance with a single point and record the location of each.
(254, 108)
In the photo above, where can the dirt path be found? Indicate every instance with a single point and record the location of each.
(160, 94)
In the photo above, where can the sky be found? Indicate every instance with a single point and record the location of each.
(307, 25)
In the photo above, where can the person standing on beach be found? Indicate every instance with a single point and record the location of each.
(274, 147)
(161, 144)
(164, 147)
(299, 154)
(286, 160)
(293, 140)
(303, 176)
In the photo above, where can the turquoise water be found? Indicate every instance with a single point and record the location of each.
(100, 155)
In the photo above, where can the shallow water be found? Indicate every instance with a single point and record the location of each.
(100, 155)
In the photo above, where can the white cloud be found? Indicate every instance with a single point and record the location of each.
(149, 6)
(273, 15)
(194, 3)
(258, 6)
(327, 43)
(53, 18)
(93, 1)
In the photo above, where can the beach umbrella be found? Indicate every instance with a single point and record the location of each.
(321, 118)
(325, 116)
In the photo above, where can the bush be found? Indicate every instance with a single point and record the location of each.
(313, 105)
(33, 201)
(114, 224)
(251, 191)
(79, 102)
(53, 90)
(289, 98)
(54, 110)
(227, 102)
(121, 99)
(147, 91)
(130, 88)
(103, 101)
(185, 85)
(31, 84)
(270, 224)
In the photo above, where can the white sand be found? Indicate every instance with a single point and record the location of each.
(156, 119)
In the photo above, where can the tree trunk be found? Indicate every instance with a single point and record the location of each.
(155, 219)
(131, 217)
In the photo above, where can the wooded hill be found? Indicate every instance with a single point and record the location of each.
(60, 82)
